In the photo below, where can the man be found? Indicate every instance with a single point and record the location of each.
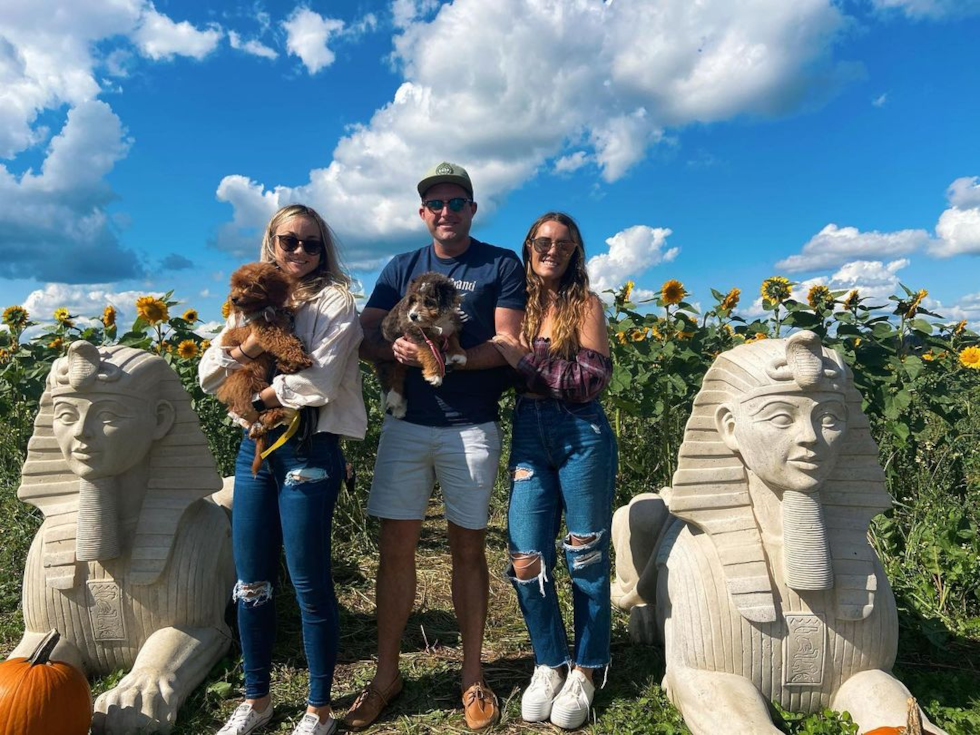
(449, 434)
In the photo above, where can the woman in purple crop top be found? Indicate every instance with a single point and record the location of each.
(563, 458)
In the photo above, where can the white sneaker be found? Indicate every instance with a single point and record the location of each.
(540, 694)
(245, 720)
(571, 707)
(310, 725)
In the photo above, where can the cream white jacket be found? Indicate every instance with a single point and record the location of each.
(329, 329)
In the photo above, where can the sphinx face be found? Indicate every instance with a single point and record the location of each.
(103, 435)
(791, 442)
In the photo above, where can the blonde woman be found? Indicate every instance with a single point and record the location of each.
(563, 457)
(290, 502)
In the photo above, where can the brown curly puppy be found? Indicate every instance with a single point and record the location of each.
(429, 316)
(259, 297)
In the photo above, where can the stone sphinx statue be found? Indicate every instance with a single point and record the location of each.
(131, 564)
(754, 568)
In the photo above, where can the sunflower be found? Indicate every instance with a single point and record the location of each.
(970, 357)
(628, 290)
(15, 317)
(672, 292)
(205, 345)
(913, 306)
(63, 317)
(819, 297)
(638, 335)
(685, 335)
(4, 355)
(187, 349)
(731, 299)
(152, 309)
(656, 333)
(56, 343)
(727, 329)
(776, 289)
(960, 327)
(225, 309)
(190, 315)
(758, 336)
(928, 356)
(622, 337)
(851, 300)
(857, 341)
(109, 316)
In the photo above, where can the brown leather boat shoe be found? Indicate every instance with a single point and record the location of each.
(370, 703)
(480, 706)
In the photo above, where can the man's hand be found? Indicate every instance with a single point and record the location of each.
(406, 352)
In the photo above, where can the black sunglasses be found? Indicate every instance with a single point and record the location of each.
(543, 245)
(289, 243)
(455, 204)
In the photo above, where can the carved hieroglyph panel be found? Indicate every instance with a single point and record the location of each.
(804, 650)
(107, 610)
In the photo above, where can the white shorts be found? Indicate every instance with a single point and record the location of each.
(411, 457)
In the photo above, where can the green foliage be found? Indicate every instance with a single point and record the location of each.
(920, 388)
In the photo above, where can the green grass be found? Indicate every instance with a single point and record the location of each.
(938, 661)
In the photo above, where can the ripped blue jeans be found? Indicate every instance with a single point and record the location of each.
(288, 504)
(563, 459)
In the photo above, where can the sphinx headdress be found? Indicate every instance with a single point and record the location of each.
(710, 486)
(182, 469)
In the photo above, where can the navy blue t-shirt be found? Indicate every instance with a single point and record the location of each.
(487, 277)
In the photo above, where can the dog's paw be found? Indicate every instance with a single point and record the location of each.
(457, 359)
(397, 403)
(434, 380)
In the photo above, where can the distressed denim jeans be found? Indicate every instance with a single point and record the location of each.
(289, 504)
(563, 459)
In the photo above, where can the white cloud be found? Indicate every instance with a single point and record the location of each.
(964, 192)
(65, 204)
(207, 330)
(834, 245)
(637, 68)
(86, 300)
(959, 232)
(51, 58)
(405, 12)
(958, 227)
(251, 46)
(46, 61)
(572, 162)
(631, 252)
(158, 37)
(880, 100)
(307, 36)
(932, 9)
(968, 307)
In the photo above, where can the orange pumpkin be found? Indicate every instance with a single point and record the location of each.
(886, 731)
(43, 697)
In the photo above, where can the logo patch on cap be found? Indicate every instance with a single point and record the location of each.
(445, 169)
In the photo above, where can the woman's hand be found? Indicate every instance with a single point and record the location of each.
(510, 347)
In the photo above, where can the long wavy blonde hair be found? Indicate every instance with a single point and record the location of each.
(571, 303)
(329, 271)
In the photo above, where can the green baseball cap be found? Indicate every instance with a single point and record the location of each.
(445, 173)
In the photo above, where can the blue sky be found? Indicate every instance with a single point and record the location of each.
(143, 145)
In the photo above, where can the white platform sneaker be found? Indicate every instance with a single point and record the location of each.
(571, 707)
(540, 694)
(311, 725)
(245, 720)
